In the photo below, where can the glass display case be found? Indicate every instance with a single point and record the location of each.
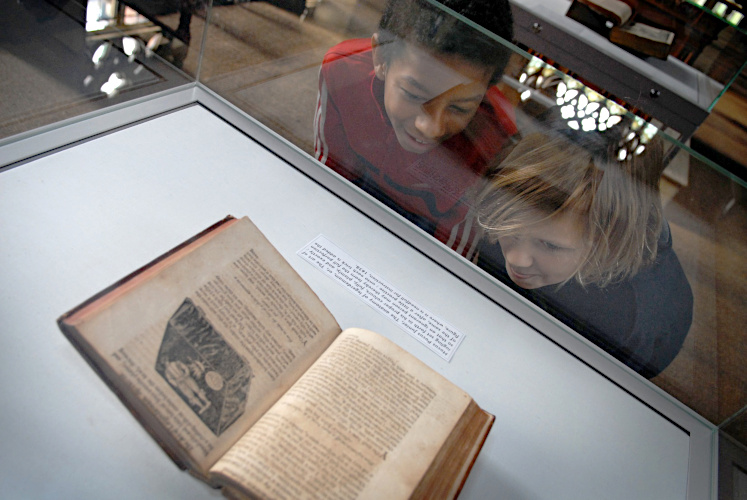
(267, 69)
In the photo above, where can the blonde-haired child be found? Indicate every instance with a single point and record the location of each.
(583, 235)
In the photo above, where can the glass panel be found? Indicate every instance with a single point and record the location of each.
(736, 429)
(63, 59)
(708, 217)
(394, 124)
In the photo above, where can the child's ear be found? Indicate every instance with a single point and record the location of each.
(379, 59)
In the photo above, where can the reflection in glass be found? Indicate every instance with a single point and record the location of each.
(143, 32)
(64, 59)
(115, 82)
(102, 14)
(735, 18)
(584, 108)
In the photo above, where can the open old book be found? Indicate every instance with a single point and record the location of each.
(242, 375)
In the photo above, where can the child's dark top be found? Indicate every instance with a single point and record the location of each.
(354, 137)
(642, 321)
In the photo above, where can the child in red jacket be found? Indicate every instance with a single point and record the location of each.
(412, 116)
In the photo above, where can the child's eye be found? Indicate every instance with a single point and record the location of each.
(460, 110)
(551, 246)
(411, 96)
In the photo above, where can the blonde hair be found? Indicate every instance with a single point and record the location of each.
(618, 204)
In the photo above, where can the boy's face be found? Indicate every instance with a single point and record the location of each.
(546, 253)
(429, 98)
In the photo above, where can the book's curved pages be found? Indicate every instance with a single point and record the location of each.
(241, 374)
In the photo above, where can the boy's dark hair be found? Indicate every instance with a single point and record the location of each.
(422, 23)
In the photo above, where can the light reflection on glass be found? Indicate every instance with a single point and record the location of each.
(129, 45)
(115, 82)
(153, 43)
(583, 108)
(100, 14)
(720, 9)
(116, 30)
(735, 17)
(100, 53)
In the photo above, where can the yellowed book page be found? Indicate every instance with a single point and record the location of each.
(206, 344)
(365, 421)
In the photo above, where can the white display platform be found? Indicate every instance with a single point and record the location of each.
(74, 221)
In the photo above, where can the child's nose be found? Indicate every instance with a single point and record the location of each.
(518, 255)
(431, 121)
